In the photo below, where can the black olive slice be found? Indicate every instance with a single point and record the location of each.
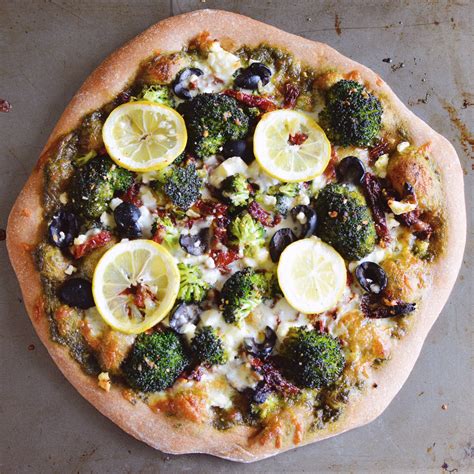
(126, 217)
(308, 227)
(371, 277)
(250, 77)
(63, 229)
(261, 349)
(77, 292)
(182, 315)
(280, 240)
(197, 244)
(178, 84)
(350, 170)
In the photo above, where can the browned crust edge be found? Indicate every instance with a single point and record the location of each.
(25, 231)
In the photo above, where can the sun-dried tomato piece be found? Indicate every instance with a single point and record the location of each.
(131, 195)
(291, 93)
(378, 150)
(373, 307)
(5, 106)
(375, 199)
(330, 170)
(272, 376)
(207, 207)
(223, 258)
(298, 138)
(261, 215)
(264, 104)
(90, 244)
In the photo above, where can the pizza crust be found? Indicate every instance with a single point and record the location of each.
(26, 228)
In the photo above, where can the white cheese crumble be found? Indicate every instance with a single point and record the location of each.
(222, 63)
(70, 270)
(401, 147)
(401, 207)
(228, 168)
(104, 381)
(381, 166)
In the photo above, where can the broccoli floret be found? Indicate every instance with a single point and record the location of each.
(345, 222)
(284, 194)
(211, 121)
(183, 186)
(155, 361)
(169, 234)
(286, 189)
(192, 288)
(242, 293)
(157, 93)
(352, 115)
(94, 186)
(207, 347)
(312, 359)
(247, 233)
(236, 189)
(262, 410)
(51, 262)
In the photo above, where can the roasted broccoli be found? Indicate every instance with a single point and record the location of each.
(312, 359)
(236, 190)
(51, 262)
(345, 222)
(90, 132)
(182, 186)
(166, 232)
(192, 288)
(247, 233)
(242, 293)
(155, 361)
(284, 194)
(352, 115)
(157, 93)
(207, 347)
(212, 120)
(94, 186)
(270, 405)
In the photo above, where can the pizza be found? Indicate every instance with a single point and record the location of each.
(236, 240)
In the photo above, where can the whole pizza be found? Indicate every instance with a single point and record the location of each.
(236, 240)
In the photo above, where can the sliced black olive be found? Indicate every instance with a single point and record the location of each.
(178, 84)
(350, 170)
(280, 240)
(241, 148)
(308, 227)
(77, 292)
(250, 77)
(196, 244)
(234, 148)
(371, 277)
(126, 217)
(261, 349)
(182, 315)
(63, 228)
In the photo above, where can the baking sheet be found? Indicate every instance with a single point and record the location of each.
(48, 49)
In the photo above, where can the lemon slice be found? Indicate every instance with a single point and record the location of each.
(312, 275)
(291, 146)
(144, 136)
(135, 285)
